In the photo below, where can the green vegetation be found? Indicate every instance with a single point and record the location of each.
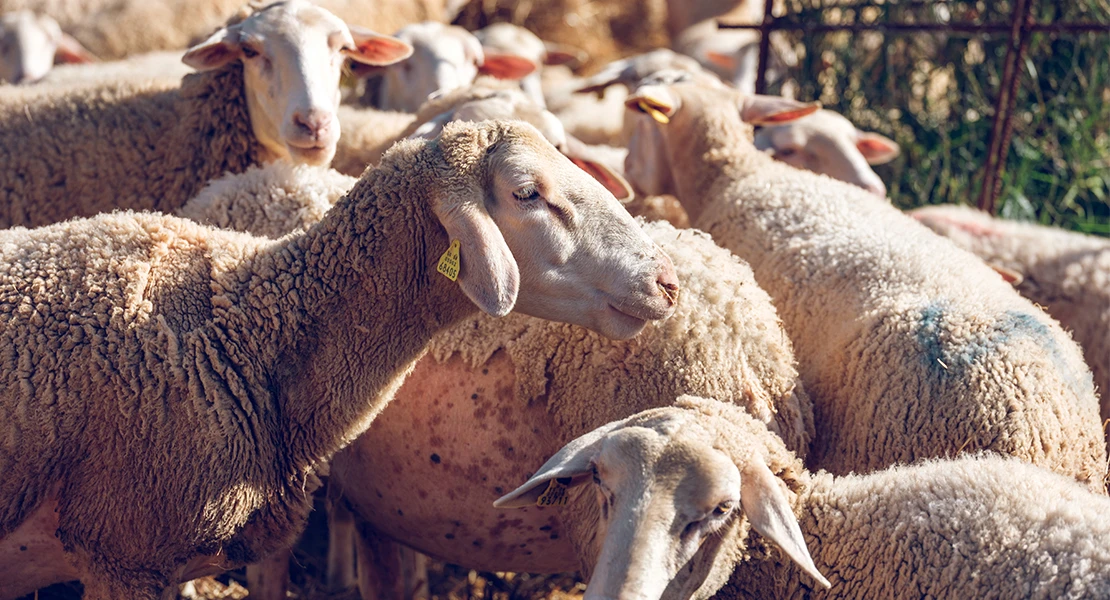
(935, 94)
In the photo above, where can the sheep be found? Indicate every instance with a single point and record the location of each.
(825, 142)
(116, 29)
(445, 57)
(1066, 273)
(723, 337)
(30, 44)
(661, 481)
(910, 347)
(505, 44)
(136, 146)
(243, 363)
(367, 132)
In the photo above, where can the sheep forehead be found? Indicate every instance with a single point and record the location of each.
(506, 37)
(295, 22)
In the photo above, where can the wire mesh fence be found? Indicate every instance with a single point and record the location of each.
(1005, 104)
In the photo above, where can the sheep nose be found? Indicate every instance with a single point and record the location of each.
(313, 122)
(668, 281)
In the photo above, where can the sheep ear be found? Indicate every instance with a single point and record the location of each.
(578, 153)
(1010, 276)
(487, 272)
(654, 100)
(373, 48)
(771, 515)
(563, 54)
(69, 50)
(473, 50)
(571, 464)
(218, 50)
(877, 149)
(771, 110)
(721, 60)
(507, 66)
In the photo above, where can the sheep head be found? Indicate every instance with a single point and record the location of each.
(292, 54)
(676, 501)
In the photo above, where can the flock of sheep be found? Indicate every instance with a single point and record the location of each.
(408, 264)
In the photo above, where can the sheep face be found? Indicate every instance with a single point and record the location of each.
(827, 143)
(578, 255)
(671, 505)
(29, 45)
(444, 58)
(292, 55)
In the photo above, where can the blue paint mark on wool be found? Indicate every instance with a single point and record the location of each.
(947, 356)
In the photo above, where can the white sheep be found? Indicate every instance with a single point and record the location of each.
(1065, 272)
(170, 389)
(444, 58)
(910, 347)
(827, 143)
(268, 89)
(680, 491)
(163, 65)
(30, 44)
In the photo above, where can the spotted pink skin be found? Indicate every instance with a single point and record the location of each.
(435, 437)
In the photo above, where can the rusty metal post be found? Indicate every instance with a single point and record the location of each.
(1002, 128)
(765, 29)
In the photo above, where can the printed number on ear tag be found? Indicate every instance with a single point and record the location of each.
(449, 262)
(555, 494)
(655, 113)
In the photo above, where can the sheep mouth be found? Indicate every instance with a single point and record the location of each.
(643, 310)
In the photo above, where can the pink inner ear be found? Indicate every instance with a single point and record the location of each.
(605, 177)
(874, 147)
(211, 56)
(723, 61)
(382, 50)
(507, 66)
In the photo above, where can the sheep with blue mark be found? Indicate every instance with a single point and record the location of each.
(1065, 272)
(910, 347)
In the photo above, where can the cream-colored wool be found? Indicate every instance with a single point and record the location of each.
(138, 345)
(134, 145)
(1067, 273)
(909, 347)
(269, 200)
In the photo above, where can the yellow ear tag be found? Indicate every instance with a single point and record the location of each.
(449, 262)
(655, 113)
(555, 494)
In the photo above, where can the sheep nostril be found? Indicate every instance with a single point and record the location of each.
(670, 291)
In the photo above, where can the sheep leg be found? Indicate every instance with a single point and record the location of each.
(341, 543)
(380, 569)
(266, 579)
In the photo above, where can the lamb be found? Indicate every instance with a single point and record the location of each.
(1066, 273)
(910, 347)
(117, 29)
(444, 57)
(825, 142)
(665, 479)
(136, 146)
(30, 44)
(245, 363)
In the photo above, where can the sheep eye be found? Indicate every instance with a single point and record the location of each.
(722, 509)
(593, 471)
(249, 52)
(527, 193)
(785, 153)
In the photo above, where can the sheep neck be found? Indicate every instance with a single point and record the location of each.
(370, 301)
(708, 146)
(214, 127)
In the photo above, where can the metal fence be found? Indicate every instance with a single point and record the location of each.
(1023, 24)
